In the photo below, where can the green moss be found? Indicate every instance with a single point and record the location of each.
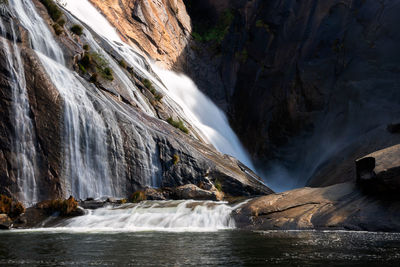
(137, 197)
(77, 29)
(178, 124)
(86, 47)
(175, 159)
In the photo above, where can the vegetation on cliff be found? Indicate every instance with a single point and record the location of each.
(178, 124)
(65, 207)
(10, 207)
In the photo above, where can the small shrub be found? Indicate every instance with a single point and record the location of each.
(218, 185)
(5, 204)
(57, 29)
(10, 207)
(175, 159)
(97, 64)
(147, 83)
(54, 11)
(107, 73)
(77, 29)
(178, 124)
(122, 63)
(61, 22)
(137, 197)
(16, 209)
(86, 47)
(63, 207)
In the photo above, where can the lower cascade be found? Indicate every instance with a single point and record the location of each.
(171, 215)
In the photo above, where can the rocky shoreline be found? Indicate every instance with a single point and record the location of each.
(369, 203)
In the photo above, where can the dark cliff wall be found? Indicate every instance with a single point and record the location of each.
(303, 80)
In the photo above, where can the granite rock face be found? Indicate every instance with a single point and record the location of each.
(341, 206)
(147, 144)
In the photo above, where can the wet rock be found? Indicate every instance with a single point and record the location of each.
(5, 222)
(190, 191)
(155, 194)
(379, 172)
(92, 204)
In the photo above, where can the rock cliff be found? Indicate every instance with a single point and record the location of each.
(140, 149)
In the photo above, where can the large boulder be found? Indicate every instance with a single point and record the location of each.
(191, 191)
(379, 172)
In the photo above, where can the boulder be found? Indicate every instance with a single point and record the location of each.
(190, 191)
(154, 194)
(379, 172)
(5, 222)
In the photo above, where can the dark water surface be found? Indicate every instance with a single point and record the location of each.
(223, 248)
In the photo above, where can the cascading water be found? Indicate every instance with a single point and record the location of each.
(174, 216)
(196, 108)
(85, 134)
(24, 142)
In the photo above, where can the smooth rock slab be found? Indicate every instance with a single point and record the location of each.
(341, 206)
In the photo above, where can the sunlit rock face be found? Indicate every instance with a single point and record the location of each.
(160, 28)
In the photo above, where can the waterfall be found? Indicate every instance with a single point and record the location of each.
(181, 93)
(84, 136)
(175, 216)
(24, 139)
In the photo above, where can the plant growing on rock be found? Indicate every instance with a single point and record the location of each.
(218, 185)
(97, 64)
(175, 159)
(65, 207)
(137, 197)
(55, 14)
(147, 83)
(178, 124)
(10, 207)
(77, 29)
(53, 10)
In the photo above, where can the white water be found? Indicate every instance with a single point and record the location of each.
(198, 109)
(24, 139)
(84, 139)
(171, 216)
